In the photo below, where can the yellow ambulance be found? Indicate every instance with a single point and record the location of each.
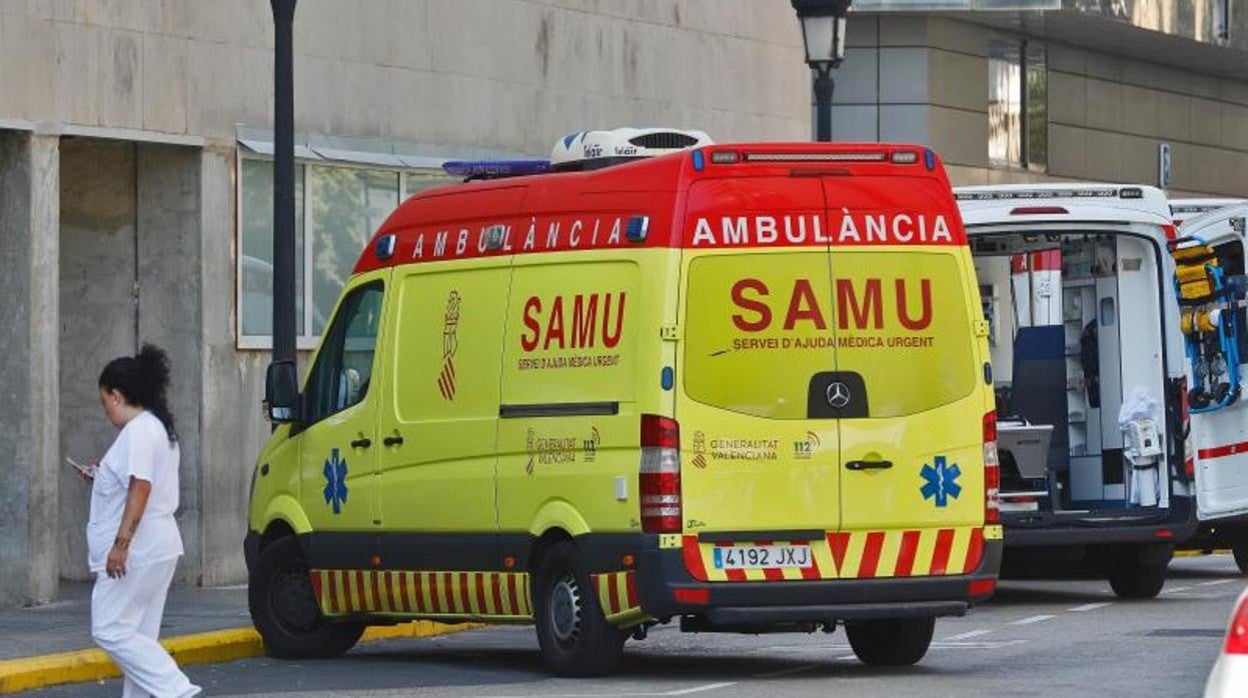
(744, 388)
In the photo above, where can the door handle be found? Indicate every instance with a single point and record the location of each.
(869, 464)
(362, 443)
(395, 440)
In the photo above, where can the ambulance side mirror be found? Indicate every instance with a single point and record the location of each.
(281, 392)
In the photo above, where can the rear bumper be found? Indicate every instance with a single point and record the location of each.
(1176, 524)
(661, 573)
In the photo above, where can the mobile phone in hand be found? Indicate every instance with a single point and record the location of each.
(86, 470)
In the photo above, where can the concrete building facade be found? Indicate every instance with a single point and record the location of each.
(135, 190)
(135, 195)
(1055, 93)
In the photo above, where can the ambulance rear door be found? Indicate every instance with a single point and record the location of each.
(1220, 437)
(760, 479)
(912, 357)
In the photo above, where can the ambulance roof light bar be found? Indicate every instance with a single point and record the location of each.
(897, 157)
(494, 169)
(1078, 193)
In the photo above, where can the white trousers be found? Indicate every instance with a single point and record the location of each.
(125, 622)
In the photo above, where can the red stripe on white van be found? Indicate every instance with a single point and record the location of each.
(1223, 451)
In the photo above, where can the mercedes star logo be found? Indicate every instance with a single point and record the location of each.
(838, 395)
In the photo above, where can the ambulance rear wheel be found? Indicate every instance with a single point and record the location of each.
(1239, 548)
(1132, 579)
(574, 635)
(891, 642)
(285, 611)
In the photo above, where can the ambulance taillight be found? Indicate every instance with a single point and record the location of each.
(660, 475)
(992, 472)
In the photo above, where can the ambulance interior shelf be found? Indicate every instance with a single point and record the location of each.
(1210, 284)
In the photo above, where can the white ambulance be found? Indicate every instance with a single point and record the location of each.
(1076, 286)
(1210, 285)
(1182, 209)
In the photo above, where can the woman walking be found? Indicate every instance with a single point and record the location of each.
(132, 537)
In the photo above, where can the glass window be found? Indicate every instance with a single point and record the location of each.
(348, 205)
(757, 331)
(416, 182)
(1018, 118)
(255, 257)
(344, 207)
(1036, 146)
(344, 365)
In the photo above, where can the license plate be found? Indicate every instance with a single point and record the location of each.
(753, 557)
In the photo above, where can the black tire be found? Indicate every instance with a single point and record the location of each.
(575, 637)
(1239, 548)
(1132, 579)
(891, 642)
(285, 611)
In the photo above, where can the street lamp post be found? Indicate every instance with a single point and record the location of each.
(823, 34)
(283, 181)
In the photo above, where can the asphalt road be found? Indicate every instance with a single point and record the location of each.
(1037, 638)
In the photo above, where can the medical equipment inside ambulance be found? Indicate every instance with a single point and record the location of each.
(1211, 289)
(1074, 330)
(1210, 286)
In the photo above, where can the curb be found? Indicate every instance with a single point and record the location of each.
(202, 648)
(1200, 553)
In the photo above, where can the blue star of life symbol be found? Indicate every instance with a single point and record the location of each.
(336, 481)
(941, 481)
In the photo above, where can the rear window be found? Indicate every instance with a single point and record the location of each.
(745, 315)
(760, 326)
(908, 333)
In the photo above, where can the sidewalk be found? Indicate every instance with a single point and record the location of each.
(50, 645)
(65, 625)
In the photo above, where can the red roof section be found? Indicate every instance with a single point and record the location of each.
(593, 209)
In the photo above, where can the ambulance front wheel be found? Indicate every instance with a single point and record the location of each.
(891, 642)
(575, 637)
(285, 611)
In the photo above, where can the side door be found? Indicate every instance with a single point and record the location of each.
(912, 462)
(338, 441)
(439, 425)
(1220, 437)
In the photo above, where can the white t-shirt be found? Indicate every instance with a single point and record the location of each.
(141, 450)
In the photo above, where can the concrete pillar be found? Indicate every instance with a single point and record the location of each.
(98, 314)
(233, 424)
(169, 283)
(29, 318)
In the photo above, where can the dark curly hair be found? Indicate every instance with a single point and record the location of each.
(143, 380)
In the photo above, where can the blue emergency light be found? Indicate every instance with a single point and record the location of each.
(495, 168)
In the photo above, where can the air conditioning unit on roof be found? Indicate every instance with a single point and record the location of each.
(590, 150)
